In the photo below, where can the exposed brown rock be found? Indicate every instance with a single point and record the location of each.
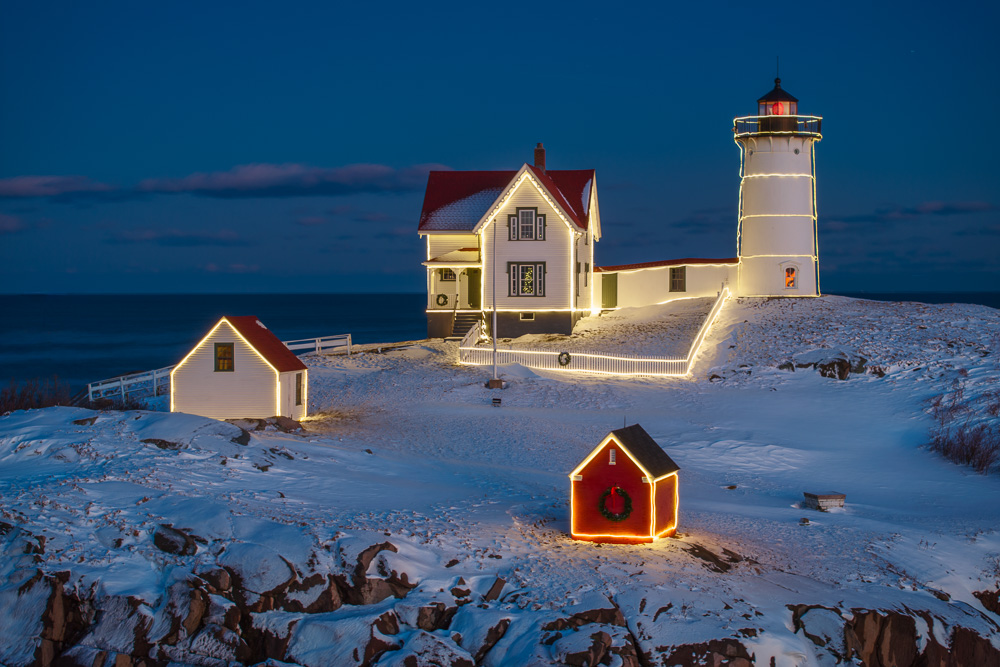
(601, 642)
(495, 590)
(173, 541)
(493, 635)
(881, 639)
(717, 653)
(990, 600)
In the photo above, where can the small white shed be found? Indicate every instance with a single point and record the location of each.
(240, 370)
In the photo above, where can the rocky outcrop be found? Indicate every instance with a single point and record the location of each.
(831, 363)
(250, 605)
(890, 638)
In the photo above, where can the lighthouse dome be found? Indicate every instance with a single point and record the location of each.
(778, 102)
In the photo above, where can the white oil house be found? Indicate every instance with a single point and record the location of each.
(240, 370)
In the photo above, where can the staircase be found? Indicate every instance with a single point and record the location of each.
(462, 323)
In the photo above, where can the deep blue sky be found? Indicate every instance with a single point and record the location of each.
(219, 147)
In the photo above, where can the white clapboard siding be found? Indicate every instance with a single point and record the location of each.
(555, 251)
(645, 287)
(250, 390)
(288, 407)
(442, 244)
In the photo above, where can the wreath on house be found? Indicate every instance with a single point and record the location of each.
(442, 300)
(602, 504)
(564, 358)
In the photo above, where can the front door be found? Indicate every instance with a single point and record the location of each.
(609, 290)
(475, 288)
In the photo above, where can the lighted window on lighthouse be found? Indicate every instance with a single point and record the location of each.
(789, 278)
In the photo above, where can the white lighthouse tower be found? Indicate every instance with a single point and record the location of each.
(776, 238)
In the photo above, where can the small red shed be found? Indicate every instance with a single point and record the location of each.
(625, 490)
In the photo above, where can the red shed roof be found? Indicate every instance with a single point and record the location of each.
(457, 200)
(645, 450)
(668, 262)
(266, 343)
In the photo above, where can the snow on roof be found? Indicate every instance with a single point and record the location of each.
(457, 200)
(668, 262)
(645, 450)
(266, 343)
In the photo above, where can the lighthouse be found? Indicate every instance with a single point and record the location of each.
(776, 237)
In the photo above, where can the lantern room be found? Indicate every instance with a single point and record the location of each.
(778, 110)
(778, 102)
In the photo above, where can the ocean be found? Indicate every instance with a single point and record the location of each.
(85, 338)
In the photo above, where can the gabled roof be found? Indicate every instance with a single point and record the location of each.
(637, 444)
(667, 262)
(645, 451)
(455, 201)
(265, 343)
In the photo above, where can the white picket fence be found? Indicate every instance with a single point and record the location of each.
(123, 387)
(323, 345)
(587, 362)
(157, 383)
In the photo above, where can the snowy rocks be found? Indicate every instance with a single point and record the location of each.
(718, 653)
(174, 541)
(989, 599)
(363, 589)
(831, 363)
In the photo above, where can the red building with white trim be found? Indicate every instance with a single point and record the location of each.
(625, 490)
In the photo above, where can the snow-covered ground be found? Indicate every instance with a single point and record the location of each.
(405, 447)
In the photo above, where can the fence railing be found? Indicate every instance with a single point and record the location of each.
(157, 383)
(799, 125)
(590, 362)
(134, 385)
(321, 345)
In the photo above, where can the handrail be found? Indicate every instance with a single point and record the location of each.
(794, 125)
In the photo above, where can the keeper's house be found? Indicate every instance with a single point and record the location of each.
(529, 233)
(240, 370)
(624, 491)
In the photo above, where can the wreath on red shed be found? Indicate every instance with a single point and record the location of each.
(602, 504)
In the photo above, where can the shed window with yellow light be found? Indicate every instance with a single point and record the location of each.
(224, 357)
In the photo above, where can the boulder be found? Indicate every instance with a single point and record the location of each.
(173, 541)
(717, 652)
(423, 649)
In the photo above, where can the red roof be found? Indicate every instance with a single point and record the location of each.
(457, 200)
(668, 262)
(266, 343)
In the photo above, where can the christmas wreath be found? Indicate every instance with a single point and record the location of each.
(442, 299)
(564, 358)
(603, 506)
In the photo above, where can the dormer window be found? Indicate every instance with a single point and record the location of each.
(526, 225)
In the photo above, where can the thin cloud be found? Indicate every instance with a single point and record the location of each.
(10, 224)
(293, 180)
(21, 187)
(907, 213)
(178, 239)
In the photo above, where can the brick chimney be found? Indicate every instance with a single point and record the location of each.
(540, 157)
